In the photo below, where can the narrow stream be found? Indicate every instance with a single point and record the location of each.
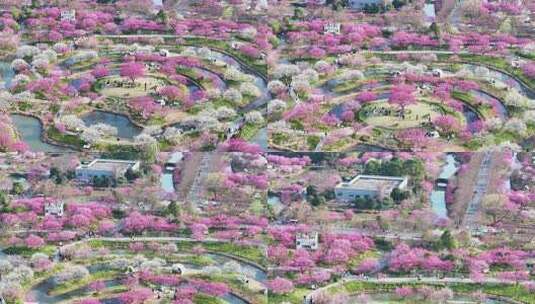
(261, 139)
(166, 179)
(438, 195)
(7, 73)
(510, 81)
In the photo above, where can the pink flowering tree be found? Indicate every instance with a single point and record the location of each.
(136, 296)
(100, 71)
(280, 285)
(33, 241)
(402, 95)
(529, 69)
(132, 70)
(447, 124)
(97, 286)
(412, 138)
(366, 96)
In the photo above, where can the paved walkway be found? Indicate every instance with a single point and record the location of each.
(480, 189)
(203, 170)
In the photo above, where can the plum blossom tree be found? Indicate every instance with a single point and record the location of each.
(529, 69)
(97, 286)
(366, 96)
(414, 137)
(199, 231)
(132, 70)
(34, 241)
(280, 285)
(136, 296)
(100, 71)
(402, 95)
(447, 124)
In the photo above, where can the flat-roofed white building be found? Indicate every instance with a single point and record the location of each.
(110, 168)
(361, 4)
(68, 15)
(333, 28)
(308, 241)
(54, 208)
(369, 186)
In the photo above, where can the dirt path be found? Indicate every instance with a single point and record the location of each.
(465, 188)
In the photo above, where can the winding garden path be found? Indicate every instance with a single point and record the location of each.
(409, 280)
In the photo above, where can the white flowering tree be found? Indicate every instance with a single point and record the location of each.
(223, 113)
(250, 89)
(105, 130)
(72, 122)
(276, 87)
(515, 99)
(254, 117)
(276, 106)
(19, 64)
(90, 135)
(285, 72)
(233, 95)
(172, 135)
(75, 272)
(27, 51)
(516, 126)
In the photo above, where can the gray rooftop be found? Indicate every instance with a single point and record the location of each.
(109, 165)
(373, 182)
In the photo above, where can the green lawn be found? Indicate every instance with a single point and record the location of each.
(27, 252)
(56, 135)
(249, 130)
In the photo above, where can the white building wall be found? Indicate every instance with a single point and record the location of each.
(359, 4)
(348, 194)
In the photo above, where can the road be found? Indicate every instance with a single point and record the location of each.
(455, 16)
(205, 168)
(405, 236)
(482, 182)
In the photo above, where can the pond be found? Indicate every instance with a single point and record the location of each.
(125, 128)
(39, 293)
(429, 11)
(166, 181)
(275, 203)
(232, 299)
(438, 195)
(515, 166)
(7, 73)
(2, 254)
(261, 139)
(470, 116)
(370, 148)
(30, 130)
